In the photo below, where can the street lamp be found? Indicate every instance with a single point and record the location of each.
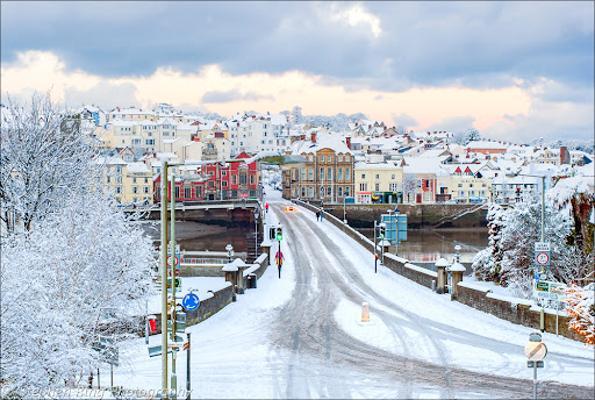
(256, 215)
(344, 219)
(458, 253)
(229, 249)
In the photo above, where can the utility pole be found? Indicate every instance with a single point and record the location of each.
(172, 241)
(375, 255)
(188, 350)
(543, 208)
(164, 383)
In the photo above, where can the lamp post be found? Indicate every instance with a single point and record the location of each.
(256, 215)
(229, 249)
(344, 219)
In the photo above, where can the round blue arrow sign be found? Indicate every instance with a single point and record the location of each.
(190, 302)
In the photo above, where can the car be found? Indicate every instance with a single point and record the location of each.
(289, 209)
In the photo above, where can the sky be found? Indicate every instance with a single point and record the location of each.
(512, 70)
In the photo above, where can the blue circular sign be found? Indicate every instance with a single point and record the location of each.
(190, 302)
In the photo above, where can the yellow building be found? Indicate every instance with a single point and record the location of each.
(469, 183)
(129, 182)
(378, 182)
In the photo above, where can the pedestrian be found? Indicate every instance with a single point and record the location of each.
(321, 213)
(317, 215)
(266, 207)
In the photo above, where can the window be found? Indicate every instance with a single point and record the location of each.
(393, 187)
(363, 187)
(302, 173)
(340, 174)
(177, 192)
(346, 190)
(377, 187)
(187, 192)
(310, 173)
(340, 191)
(392, 177)
(146, 189)
(146, 180)
(460, 185)
(347, 174)
(134, 189)
(329, 173)
(243, 178)
(234, 179)
(252, 179)
(363, 176)
(377, 176)
(118, 189)
(322, 191)
(322, 159)
(133, 180)
(321, 176)
(108, 179)
(224, 183)
(329, 190)
(303, 192)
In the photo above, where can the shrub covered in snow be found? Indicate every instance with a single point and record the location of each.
(581, 307)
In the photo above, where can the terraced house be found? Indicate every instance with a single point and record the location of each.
(321, 169)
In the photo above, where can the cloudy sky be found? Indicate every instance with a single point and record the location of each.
(511, 69)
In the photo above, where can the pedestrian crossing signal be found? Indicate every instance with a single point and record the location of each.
(279, 235)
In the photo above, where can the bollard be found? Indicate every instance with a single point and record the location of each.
(433, 285)
(365, 312)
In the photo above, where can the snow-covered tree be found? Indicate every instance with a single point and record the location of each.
(409, 187)
(60, 281)
(487, 263)
(45, 157)
(509, 258)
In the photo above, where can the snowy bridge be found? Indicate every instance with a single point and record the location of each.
(301, 336)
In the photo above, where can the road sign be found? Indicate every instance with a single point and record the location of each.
(190, 302)
(535, 351)
(542, 258)
(535, 364)
(543, 286)
(542, 246)
(176, 260)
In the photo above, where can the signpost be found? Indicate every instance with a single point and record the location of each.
(535, 351)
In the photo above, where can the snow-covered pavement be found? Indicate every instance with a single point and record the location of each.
(299, 337)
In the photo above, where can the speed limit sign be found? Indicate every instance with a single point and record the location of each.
(542, 258)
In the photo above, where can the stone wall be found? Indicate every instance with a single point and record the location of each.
(208, 307)
(517, 311)
(419, 216)
(201, 270)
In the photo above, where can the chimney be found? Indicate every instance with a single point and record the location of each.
(348, 142)
(313, 137)
(564, 155)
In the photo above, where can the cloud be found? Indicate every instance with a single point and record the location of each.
(384, 46)
(454, 124)
(521, 111)
(102, 94)
(356, 15)
(231, 95)
(405, 121)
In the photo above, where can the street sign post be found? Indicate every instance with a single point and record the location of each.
(535, 351)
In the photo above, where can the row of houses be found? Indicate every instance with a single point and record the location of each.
(139, 182)
(327, 168)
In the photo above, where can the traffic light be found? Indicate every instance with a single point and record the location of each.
(381, 231)
(279, 235)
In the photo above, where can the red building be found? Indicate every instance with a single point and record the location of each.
(222, 180)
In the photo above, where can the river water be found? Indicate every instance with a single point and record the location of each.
(423, 247)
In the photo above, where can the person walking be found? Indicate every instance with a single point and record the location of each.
(317, 215)
(322, 213)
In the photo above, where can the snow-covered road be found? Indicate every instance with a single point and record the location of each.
(299, 337)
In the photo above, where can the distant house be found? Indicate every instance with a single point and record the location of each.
(486, 147)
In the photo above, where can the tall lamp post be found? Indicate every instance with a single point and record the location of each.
(256, 215)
